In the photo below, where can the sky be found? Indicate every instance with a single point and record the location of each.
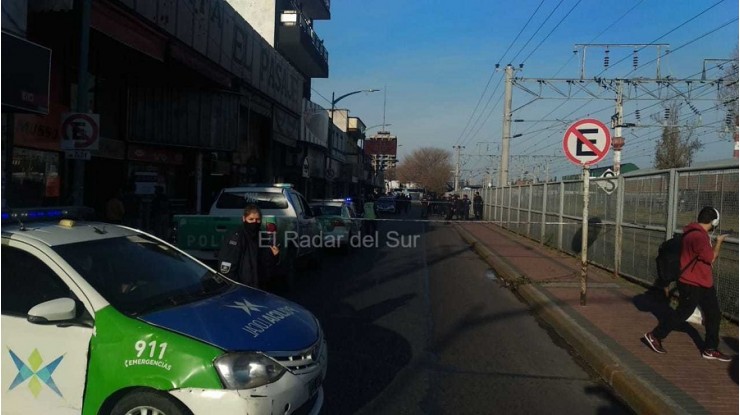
(434, 62)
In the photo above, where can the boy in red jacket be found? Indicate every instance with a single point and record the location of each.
(696, 286)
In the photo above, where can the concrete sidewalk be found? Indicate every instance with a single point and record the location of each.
(608, 331)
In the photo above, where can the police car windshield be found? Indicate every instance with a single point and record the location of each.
(138, 274)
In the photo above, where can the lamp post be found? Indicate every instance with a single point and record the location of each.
(329, 143)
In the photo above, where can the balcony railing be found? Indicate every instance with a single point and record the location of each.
(294, 17)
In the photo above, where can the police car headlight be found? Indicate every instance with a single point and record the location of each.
(247, 370)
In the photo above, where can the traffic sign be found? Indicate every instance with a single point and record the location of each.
(77, 155)
(586, 142)
(80, 131)
(610, 185)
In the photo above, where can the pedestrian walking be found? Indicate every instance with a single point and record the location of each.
(245, 257)
(696, 286)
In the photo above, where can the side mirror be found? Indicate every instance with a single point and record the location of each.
(53, 311)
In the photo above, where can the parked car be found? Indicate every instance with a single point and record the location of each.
(338, 219)
(386, 204)
(285, 214)
(101, 318)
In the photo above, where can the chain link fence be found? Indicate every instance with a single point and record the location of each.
(628, 218)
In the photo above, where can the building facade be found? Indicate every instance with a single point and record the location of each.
(189, 97)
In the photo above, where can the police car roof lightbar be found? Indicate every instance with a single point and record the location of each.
(25, 215)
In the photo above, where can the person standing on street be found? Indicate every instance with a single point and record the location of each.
(114, 209)
(244, 257)
(478, 206)
(370, 214)
(424, 206)
(466, 207)
(696, 286)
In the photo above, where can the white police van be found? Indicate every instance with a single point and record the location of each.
(105, 319)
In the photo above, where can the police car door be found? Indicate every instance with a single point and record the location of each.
(44, 365)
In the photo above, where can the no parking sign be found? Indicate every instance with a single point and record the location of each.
(586, 142)
(80, 131)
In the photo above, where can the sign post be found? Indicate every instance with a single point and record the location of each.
(80, 134)
(584, 234)
(586, 142)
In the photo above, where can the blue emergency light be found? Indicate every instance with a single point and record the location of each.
(25, 215)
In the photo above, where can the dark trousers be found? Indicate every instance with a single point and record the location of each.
(691, 296)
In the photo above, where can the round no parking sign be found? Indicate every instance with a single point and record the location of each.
(586, 142)
(80, 131)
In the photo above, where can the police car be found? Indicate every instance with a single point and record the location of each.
(100, 318)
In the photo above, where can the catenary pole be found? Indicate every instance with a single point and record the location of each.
(504, 174)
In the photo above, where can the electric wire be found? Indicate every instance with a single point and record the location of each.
(537, 31)
(606, 29)
(552, 30)
(472, 114)
(552, 126)
(669, 32)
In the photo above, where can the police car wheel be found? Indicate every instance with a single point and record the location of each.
(148, 403)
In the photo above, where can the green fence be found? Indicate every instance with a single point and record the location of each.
(629, 217)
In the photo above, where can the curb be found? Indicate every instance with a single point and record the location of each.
(634, 390)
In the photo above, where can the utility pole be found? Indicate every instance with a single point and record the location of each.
(503, 177)
(83, 9)
(457, 168)
(617, 121)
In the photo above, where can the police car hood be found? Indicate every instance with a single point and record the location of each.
(242, 319)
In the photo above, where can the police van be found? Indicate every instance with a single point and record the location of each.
(105, 319)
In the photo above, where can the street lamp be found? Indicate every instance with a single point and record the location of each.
(334, 102)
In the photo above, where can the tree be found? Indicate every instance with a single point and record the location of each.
(390, 173)
(673, 150)
(430, 167)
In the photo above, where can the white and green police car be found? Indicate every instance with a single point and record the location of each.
(105, 319)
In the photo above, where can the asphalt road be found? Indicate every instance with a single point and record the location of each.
(419, 325)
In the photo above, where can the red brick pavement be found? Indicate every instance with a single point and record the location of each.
(623, 312)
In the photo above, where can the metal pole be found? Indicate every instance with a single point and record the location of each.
(457, 168)
(618, 140)
(83, 8)
(504, 174)
(584, 236)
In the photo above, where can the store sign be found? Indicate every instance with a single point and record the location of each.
(155, 155)
(39, 131)
(77, 155)
(25, 74)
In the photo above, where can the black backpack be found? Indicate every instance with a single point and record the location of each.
(668, 260)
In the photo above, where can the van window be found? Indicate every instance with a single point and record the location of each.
(263, 200)
(27, 282)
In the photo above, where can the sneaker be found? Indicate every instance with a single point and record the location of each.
(654, 343)
(713, 354)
